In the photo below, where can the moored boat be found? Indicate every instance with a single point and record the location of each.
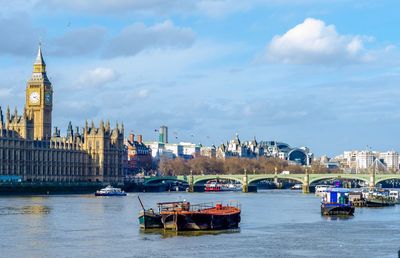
(231, 187)
(395, 195)
(182, 216)
(335, 201)
(217, 186)
(110, 191)
(149, 218)
(297, 187)
(321, 189)
(378, 198)
(213, 186)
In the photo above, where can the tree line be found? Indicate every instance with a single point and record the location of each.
(234, 165)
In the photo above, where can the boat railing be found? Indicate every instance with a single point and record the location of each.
(210, 205)
(201, 206)
(173, 206)
(186, 206)
(235, 204)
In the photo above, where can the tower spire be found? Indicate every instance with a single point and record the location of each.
(39, 58)
(39, 67)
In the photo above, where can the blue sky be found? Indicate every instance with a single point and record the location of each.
(322, 74)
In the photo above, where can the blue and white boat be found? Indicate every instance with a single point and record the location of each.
(110, 191)
(335, 201)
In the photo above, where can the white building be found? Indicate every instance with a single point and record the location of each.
(391, 159)
(364, 159)
(185, 150)
(360, 161)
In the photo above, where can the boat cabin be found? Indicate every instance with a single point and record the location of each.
(336, 196)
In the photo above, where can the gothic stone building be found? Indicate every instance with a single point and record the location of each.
(29, 151)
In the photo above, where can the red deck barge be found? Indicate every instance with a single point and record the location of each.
(184, 216)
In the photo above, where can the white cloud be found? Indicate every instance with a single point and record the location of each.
(314, 42)
(18, 36)
(214, 8)
(120, 6)
(97, 77)
(138, 37)
(5, 92)
(79, 41)
(143, 93)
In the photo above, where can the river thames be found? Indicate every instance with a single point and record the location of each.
(275, 223)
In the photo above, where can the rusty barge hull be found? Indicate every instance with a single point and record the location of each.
(211, 219)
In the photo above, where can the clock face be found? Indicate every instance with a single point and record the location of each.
(34, 98)
(47, 98)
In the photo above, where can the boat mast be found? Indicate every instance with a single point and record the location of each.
(141, 204)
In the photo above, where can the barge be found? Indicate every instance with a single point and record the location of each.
(378, 198)
(335, 201)
(181, 216)
(149, 218)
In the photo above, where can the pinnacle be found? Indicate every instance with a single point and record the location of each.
(39, 58)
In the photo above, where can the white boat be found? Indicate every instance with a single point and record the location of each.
(321, 189)
(215, 186)
(110, 191)
(395, 195)
(231, 187)
(297, 187)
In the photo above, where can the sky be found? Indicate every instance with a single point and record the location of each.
(322, 74)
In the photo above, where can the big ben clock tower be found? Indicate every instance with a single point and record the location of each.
(39, 99)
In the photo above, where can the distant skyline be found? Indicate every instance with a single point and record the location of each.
(321, 74)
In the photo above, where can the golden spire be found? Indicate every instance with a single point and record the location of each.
(39, 58)
(39, 66)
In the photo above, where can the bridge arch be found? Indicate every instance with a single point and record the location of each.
(380, 180)
(211, 177)
(164, 178)
(273, 176)
(339, 176)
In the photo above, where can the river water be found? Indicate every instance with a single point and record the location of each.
(275, 223)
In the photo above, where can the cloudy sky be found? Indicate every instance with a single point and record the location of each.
(323, 74)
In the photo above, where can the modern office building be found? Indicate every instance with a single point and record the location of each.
(163, 134)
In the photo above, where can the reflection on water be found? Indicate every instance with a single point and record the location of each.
(338, 217)
(29, 209)
(172, 233)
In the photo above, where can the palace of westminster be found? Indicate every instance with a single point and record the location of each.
(30, 151)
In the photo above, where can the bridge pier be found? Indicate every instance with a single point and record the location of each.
(245, 184)
(276, 181)
(191, 182)
(372, 179)
(306, 184)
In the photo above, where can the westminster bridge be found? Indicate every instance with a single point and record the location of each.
(247, 179)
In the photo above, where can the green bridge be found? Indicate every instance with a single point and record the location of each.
(246, 179)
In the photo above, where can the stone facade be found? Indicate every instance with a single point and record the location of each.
(30, 151)
(237, 148)
(139, 155)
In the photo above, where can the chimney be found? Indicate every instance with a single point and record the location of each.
(131, 137)
(140, 138)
